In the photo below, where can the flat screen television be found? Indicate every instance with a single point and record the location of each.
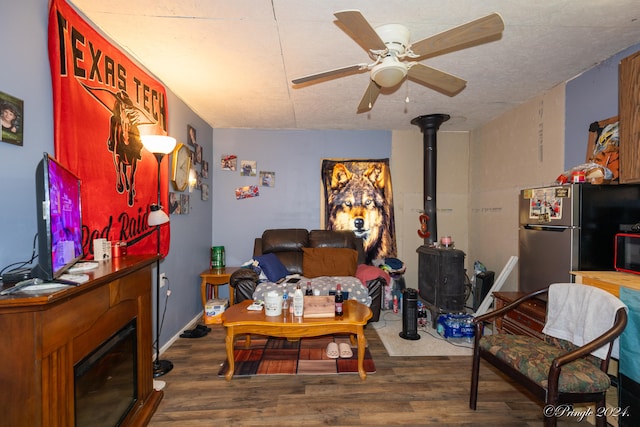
(59, 211)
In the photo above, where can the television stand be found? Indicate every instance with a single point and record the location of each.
(46, 334)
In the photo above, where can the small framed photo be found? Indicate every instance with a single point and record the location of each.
(194, 156)
(191, 135)
(267, 179)
(248, 167)
(174, 203)
(184, 204)
(12, 118)
(228, 162)
(198, 152)
(247, 192)
(205, 191)
(205, 169)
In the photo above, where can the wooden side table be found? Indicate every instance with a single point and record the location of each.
(216, 277)
(527, 319)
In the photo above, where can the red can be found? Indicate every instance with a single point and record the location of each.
(118, 249)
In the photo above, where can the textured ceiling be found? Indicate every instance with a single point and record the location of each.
(232, 62)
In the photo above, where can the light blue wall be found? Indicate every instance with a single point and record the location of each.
(590, 97)
(190, 234)
(295, 156)
(24, 74)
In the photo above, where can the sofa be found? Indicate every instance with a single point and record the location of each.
(316, 253)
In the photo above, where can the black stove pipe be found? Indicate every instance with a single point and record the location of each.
(429, 125)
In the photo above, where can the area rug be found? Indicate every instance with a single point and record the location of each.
(306, 356)
(429, 344)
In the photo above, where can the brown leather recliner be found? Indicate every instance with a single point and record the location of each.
(287, 244)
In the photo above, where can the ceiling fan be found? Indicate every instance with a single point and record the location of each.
(395, 58)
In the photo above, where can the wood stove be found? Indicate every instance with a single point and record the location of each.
(441, 280)
(441, 274)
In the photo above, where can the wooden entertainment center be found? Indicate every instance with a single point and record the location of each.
(43, 335)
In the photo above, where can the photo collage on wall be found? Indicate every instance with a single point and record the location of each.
(179, 203)
(247, 168)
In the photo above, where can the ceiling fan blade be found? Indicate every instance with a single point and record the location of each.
(458, 37)
(369, 97)
(435, 79)
(338, 72)
(360, 30)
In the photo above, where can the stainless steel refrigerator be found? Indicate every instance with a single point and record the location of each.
(571, 227)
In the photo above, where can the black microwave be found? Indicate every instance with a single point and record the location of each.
(627, 253)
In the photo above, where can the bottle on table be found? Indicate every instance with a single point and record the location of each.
(339, 299)
(298, 301)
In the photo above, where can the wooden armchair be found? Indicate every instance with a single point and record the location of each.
(561, 369)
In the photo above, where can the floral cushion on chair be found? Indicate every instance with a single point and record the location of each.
(532, 357)
(569, 346)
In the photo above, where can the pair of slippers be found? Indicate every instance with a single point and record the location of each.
(342, 350)
(198, 332)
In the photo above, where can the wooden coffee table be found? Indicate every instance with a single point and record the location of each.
(240, 321)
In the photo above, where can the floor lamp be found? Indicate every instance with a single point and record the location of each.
(160, 146)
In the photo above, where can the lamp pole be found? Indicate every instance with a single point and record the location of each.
(160, 367)
(159, 145)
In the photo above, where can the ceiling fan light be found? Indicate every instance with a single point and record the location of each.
(389, 73)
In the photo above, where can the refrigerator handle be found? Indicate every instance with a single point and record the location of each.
(558, 228)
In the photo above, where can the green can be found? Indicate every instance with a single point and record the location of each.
(217, 257)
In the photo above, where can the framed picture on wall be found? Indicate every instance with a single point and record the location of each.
(12, 118)
(228, 162)
(191, 135)
(205, 191)
(248, 167)
(174, 203)
(205, 169)
(184, 204)
(194, 156)
(198, 152)
(267, 179)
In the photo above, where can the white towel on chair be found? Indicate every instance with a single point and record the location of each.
(580, 313)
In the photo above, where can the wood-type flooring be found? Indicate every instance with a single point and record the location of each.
(414, 391)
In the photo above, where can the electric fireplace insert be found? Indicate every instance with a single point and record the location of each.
(106, 380)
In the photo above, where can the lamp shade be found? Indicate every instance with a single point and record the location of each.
(161, 144)
(157, 216)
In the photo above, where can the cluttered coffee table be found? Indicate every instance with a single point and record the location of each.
(238, 320)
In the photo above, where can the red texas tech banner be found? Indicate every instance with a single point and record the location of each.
(102, 102)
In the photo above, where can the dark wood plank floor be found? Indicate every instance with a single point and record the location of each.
(404, 390)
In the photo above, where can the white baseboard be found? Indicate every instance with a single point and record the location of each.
(173, 339)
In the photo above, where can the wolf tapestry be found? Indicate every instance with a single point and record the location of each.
(358, 197)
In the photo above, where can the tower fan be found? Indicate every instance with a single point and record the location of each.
(410, 315)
